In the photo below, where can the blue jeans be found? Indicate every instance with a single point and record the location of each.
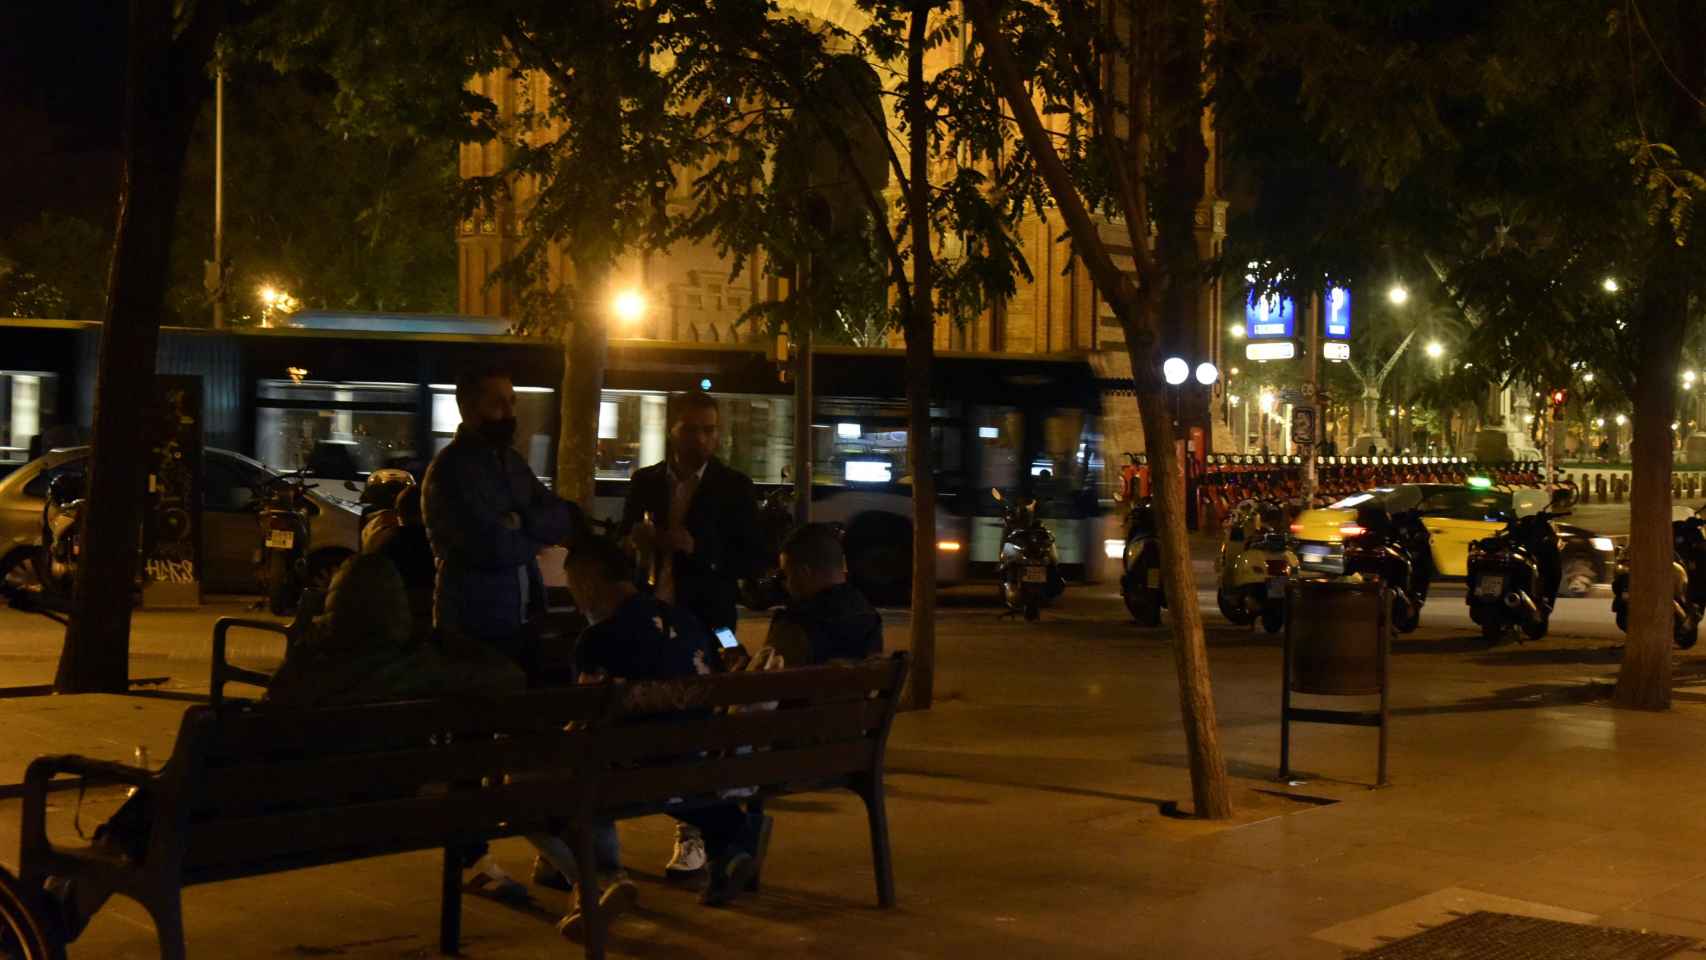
(606, 850)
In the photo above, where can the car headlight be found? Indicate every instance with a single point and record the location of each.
(1604, 545)
(1113, 549)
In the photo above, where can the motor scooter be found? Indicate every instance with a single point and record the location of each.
(1514, 575)
(1140, 583)
(1029, 565)
(282, 514)
(61, 536)
(379, 498)
(1688, 582)
(1254, 564)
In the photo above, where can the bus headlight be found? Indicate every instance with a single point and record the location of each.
(1113, 549)
(1604, 545)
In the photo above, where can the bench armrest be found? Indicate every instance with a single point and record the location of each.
(43, 769)
(223, 672)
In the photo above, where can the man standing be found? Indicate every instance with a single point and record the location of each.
(695, 522)
(694, 518)
(488, 517)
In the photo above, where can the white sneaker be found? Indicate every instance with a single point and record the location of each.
(689, 857)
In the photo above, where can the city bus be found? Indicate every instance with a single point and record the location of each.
(342, 394)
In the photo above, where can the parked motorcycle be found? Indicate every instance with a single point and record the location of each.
(283, 511)
(1395, 549)
(1029, 565)
(1140, 584)
(1514, 575)
(1688, 579)
(1254, 564)
(61, 534)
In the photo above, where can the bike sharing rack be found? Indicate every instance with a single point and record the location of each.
(1338, 643)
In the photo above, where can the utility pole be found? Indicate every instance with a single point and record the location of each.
(1312, 341)
(804, 461)
(217, 274)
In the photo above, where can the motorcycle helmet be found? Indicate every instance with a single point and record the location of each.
(384, 484)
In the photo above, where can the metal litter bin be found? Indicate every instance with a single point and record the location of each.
(1338, 642)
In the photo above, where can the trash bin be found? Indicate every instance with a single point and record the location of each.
(1336, 631)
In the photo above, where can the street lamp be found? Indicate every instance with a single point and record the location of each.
(1435, 349)
(1175, 371)
(1207, 373)
(630, 306)
(1587, 377)
(1237, 331)
(1398, 294)
(1622, 420)
(1609, 284)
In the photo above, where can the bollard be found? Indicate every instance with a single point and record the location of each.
(1617, 490)
(1676, 488)
(1599, 487)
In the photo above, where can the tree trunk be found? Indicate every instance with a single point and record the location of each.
(165, 84)
(586, 347)
(1643, 682)
(920, 349)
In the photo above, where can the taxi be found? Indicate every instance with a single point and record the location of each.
(1455, 516)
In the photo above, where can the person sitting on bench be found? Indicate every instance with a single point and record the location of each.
(826, 618)
(635, 637)
(361, 650)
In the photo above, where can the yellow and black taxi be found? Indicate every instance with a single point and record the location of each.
(1455, 515)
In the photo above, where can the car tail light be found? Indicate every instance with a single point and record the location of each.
(1297, 528)
(1352, 530)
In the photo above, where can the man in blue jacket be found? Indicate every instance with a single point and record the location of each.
(488, 517)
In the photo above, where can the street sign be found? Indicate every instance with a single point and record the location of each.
(1335, 350)
(1303, 426)
(1272, 317)
(1338, 314)
(1264, 350)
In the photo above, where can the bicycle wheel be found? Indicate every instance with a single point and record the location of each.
(23, 929)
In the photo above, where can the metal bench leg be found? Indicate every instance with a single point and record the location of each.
(168, 914)
(870, 790)
(450, 904)
(586, 889)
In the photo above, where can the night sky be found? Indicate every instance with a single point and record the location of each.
(61, 76)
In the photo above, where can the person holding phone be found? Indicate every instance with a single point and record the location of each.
(633, 636)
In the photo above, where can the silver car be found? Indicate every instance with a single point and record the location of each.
(229, 532)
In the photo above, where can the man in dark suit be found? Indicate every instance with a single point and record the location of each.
(694, 519)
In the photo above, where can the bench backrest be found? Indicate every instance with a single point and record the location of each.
(262, 788)
(695, 737)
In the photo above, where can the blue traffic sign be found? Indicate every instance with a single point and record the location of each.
(1272, 317)
(1338, 314)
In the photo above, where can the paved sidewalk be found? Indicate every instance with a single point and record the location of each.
(1028, 813)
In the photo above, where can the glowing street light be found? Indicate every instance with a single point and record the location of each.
(1587, 377)
(1207, 373)
(1435, 349)
(1398, 294)
(1622, 420)
(1267, 401)
(1609, 284)
(1238, 331)
(630, 306)
(1599, 423)
(1175, 370)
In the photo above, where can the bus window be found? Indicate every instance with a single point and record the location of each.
(535, 424)
(373, 424)
(1000, 446)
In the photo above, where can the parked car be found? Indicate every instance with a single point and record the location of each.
(229, 540)
(1455, 515)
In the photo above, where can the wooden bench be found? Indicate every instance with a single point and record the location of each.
(253, 789)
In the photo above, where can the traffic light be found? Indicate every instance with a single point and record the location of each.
(1560, 397)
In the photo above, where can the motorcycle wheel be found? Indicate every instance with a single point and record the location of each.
(1231, 608)
(1142, 606)
(1493, 633)
(281, 599)
(1535, 631)
(1687, 638)
(1273, 620)
(24, 933)
(1403, 620)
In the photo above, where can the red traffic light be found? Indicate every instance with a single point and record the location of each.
(1560, 397)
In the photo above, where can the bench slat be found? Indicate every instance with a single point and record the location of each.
(239, 733)
(617, 789)
(810, 684)
(242, 789)
(641, 739)
(420, 822)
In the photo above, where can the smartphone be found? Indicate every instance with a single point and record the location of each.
(727, 638)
